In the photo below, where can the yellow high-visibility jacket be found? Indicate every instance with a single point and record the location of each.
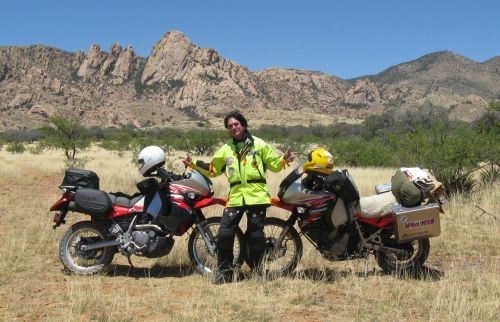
(245, 164)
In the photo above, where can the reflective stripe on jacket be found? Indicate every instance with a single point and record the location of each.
(245, 164)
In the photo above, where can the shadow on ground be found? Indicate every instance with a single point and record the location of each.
(155, 271)
(330, 275)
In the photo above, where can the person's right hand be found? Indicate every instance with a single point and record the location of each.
(290, 155)
(187, 160)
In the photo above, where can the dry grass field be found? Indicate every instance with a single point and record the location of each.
(462, 284)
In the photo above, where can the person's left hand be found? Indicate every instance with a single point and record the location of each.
(290, 155)
(186, 160)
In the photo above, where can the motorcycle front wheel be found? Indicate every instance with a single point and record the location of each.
(205, 262)
(418, 250)
(84, 262)
(279, 258)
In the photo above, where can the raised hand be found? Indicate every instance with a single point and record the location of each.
(186, 160)
(290, 155)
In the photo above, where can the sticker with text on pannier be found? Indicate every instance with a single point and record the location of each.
(417, 222)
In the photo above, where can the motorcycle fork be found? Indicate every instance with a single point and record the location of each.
(289, 223)
(206, 234)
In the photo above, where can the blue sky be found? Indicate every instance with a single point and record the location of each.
(342, 38)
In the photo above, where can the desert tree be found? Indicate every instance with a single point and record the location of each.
(66, 134)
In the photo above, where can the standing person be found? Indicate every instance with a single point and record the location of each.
(244, 159)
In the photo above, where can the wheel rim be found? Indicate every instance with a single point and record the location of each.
(414, 250)
(206, 262)
(278, 258)
(79, 258)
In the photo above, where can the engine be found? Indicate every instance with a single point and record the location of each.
(336, 246)
(146, 239)
(149, 243)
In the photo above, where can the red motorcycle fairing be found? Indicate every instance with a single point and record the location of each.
(385, 222)
(277, 202)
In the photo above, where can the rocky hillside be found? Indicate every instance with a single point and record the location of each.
(180, 83)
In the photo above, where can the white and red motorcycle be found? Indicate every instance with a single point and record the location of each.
(343, 226)
(143, 224)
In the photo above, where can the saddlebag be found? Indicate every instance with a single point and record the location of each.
(416, 222)
(80, 178)
(93, 202)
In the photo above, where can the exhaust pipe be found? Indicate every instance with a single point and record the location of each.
(103, 244)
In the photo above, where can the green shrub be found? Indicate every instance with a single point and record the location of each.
(16, 147)
(357, 151)
(452, 155)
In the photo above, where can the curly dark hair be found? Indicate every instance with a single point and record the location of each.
(237, 115)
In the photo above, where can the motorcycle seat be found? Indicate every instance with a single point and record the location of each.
(124, 200)
(377, 205)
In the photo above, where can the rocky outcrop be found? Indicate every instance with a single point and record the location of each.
(363, 93)
(92, 62)
(294, 89)
(124, 66)
(118, 64)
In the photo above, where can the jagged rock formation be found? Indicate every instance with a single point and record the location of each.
(181, 82)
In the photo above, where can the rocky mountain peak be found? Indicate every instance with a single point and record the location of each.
(168, 58)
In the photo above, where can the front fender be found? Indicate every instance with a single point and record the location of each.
(208, 202)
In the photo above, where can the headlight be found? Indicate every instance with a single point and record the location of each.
(301, 210)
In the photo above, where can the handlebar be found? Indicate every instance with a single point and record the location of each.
(167, 176)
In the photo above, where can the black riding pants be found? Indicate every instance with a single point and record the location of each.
(254, 235)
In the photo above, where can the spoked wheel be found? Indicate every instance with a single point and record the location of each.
(201, 258)
(84, 262)
(418, 250)
(280, 258)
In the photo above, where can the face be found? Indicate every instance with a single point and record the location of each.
(235, 128)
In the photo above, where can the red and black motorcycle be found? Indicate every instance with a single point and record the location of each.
(343, 226)
(143, 224)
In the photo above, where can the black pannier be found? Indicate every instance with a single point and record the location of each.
(81, 178)
(93, 202)
(342, 184)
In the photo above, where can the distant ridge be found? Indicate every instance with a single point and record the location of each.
(182, 83)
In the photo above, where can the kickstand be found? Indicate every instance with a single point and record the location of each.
(366, 264)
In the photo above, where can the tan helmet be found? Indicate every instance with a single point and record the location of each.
(320, 161)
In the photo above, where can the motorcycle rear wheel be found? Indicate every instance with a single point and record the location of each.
(418, 249)
(201, 259)
(78, 261)
(280, 259)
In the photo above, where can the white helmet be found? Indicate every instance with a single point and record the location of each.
(150, 158)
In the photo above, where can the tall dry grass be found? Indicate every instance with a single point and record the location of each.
(463, 281)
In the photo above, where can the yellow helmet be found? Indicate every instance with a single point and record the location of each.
(320, 161)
